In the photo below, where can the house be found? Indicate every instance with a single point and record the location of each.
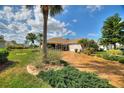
(108, 47)
(2, 42)
(64, 44)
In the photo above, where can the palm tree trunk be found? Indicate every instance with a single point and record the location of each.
(45, 17)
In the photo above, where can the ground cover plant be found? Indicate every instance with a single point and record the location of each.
(69, 77)
(121, 60)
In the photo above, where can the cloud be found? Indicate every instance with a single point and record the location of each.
(94, 8)
(16, 25)
(74, 20)
(65, 8)
(93, 35)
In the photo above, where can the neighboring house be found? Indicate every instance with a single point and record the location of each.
(65, 44)
(110, 46)
(9, 43)
(2, 43)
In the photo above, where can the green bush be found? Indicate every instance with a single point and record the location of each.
(3, 55)
(89, 51)
(108, 56)
(16, 47)
(121, 60)
(69, 77)
(114, 52)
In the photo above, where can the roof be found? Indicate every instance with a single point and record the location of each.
(74, 41)
(59, 40)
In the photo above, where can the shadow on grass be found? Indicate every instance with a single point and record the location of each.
(7, 65)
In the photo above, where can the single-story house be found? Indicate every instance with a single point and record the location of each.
(2, 43)
(110, 46)
(64, 44)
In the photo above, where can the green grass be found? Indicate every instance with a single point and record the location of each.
(16, 75)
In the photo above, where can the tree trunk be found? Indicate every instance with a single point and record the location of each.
(45, 17)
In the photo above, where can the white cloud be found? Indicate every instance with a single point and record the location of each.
(23, 14)
(93, 8)
(65, 9)
(92, 34)
(15, 29)
(74, 20)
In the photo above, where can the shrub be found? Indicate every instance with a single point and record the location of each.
(114, 58)
(107, 56)
(69, 77)
(121, 60)
(114, 52)
(19, 46)
(89, 51)
(3, 55)
(54, 57)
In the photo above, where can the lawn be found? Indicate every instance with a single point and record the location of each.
(16, 75)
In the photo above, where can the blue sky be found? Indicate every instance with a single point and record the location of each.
(74, 22)
(89, 20)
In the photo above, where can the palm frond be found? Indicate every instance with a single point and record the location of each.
(55, 9)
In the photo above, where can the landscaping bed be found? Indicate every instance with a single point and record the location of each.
(69, 77)
(113, 57)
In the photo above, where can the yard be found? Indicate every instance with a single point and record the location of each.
(110, 70)
(16, 75)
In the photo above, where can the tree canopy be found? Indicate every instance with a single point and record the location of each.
(31, 37)
(112, 30)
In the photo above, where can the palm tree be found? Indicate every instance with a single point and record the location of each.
(52, 10)
(47, 10)
(31, 37)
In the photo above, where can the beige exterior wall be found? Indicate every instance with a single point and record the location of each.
(73, 47)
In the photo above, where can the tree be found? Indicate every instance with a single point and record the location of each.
(53, 10)
(111, 30)
(40, 39)
(104, 42)
(31, 37)
(46, 10)
(83, 42)
(93, 44)
(87, 43)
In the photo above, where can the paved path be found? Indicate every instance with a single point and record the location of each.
(112, 71)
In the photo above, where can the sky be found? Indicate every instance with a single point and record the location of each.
(74, 22)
